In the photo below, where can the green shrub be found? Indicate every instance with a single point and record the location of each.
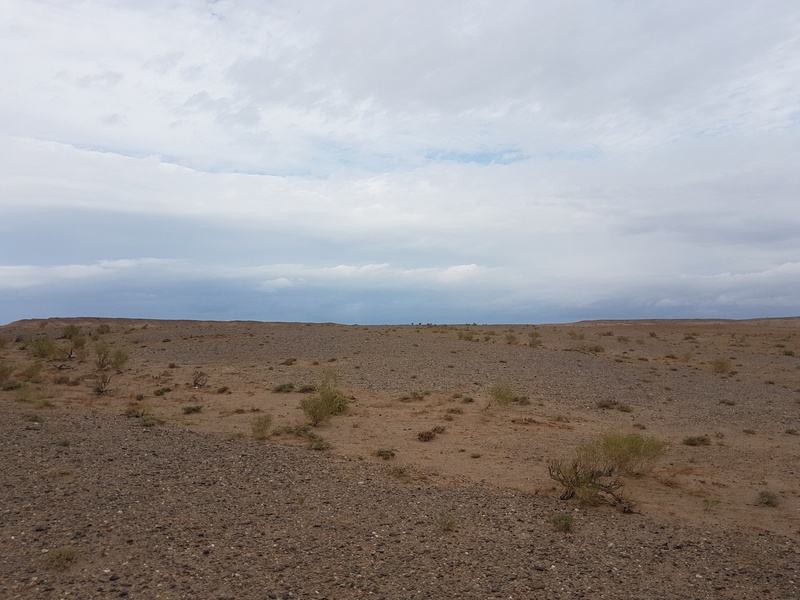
(563, 522)
(627, 453)
(43, 348)
(385, 453)
(502, 393)
(188, 410)
(261, 426)
(283, 388)
(326, 403)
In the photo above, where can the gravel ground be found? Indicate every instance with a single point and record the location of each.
(170, 513)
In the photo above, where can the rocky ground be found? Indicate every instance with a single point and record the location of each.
(96, 504)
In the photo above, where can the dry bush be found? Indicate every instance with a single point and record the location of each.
(591, 484)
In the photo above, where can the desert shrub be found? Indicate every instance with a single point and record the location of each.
(32, 373)
(307, 388)
(445, 523)
(261, 426)
(150, 421)
(591, 348)
(289, 362)
(104, 329)
(767, 498)
(413, 396)
(62, 558)
(438, 429)
(511, 339)
(70, 331)
(222, 390)
(283, 388)
(323, 405)
(426, 436)
(502, 393)
(118, 360)
(385, 453)
(627, 453)
(43, 348)
(102, 381)
(3, 342)
(188, 410)
(102, 357)
(697, 440)
(534, 339)
(721, 365)
(5, 373)
(134, 411)
(162, 391)
(317, 443)
(466, 335)
(563, 522)
(10, 385)
(590, 483)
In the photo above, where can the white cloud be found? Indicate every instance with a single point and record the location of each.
(574, 152)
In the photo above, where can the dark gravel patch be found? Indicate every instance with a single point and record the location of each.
(168, 513)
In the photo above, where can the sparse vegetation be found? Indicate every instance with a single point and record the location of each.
(385, 453)
(697, 440)
(326, 403)
(426, 436)
(767, 498)
(563, 522)
(62, 558)
(195, 408)
(261, 426)
(591, 484)
(445, 523)
(721, 365)
(283, 388)
(502, 393)
(615, 404)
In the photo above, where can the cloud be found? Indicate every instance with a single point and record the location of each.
(508, 160)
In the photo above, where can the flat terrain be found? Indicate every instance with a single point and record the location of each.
(144, 479)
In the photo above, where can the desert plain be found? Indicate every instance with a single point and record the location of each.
(181, 465)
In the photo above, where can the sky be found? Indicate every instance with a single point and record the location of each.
(408, 161)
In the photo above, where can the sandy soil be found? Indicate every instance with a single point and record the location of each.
(195, 507)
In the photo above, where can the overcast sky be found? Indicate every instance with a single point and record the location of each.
(399, 161)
